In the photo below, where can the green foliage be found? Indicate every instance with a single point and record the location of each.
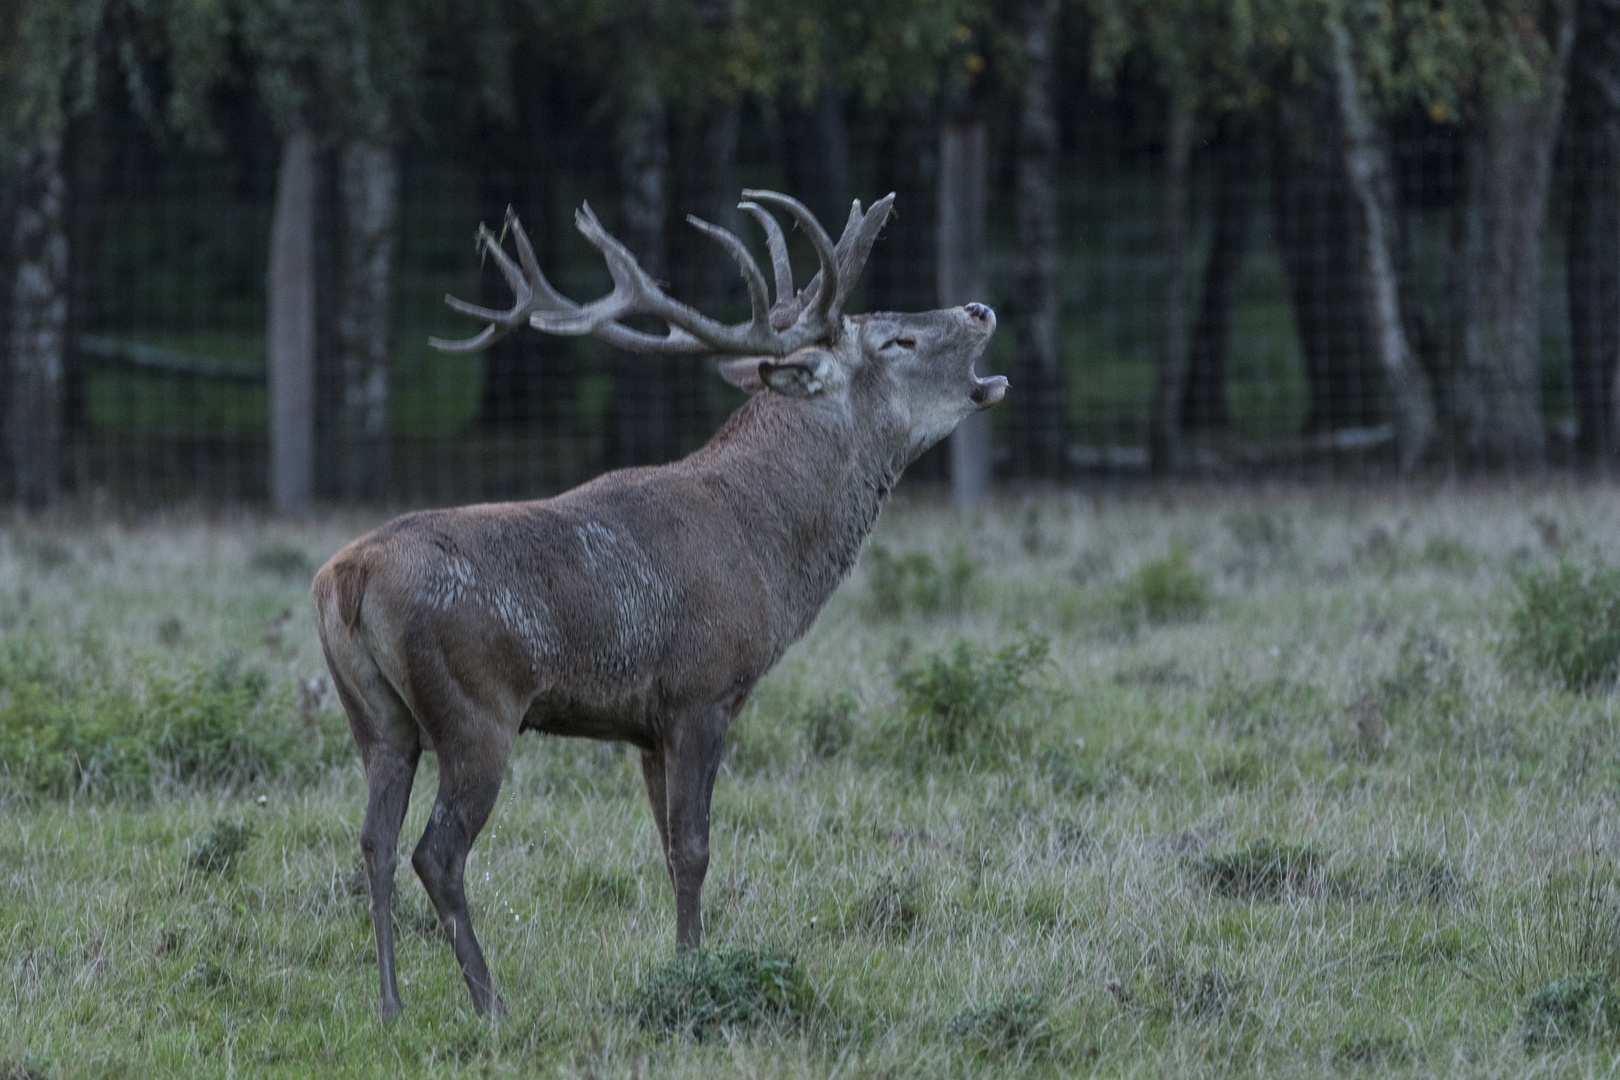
(1416, 876)
(1263, 869)
(726, 992)
(1015, 1023)
(216, 850)
(828, 724)
(63, 730)
(282, 560)
(1164, 590)
(591, 885)
(1565, 624)
(1568, 1009)
(954, 702)
(1373, 1049)
(914, 584)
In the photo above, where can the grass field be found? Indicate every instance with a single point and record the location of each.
(1168, 784)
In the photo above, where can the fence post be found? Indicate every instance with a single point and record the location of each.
(964, 168)
(292, 330)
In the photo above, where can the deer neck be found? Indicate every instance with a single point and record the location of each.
(806, 483)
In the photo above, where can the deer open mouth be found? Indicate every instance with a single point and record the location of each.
(986, 392)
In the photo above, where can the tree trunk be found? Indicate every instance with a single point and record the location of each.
(1516, 159)
(38, 334)
(1316, 235)
(1203, 398)
(1371, 182)
(963, 210)
(644, 427)
(1039, 411)
(292, 329)
(703, 275)
(1461, 407)
(1594, 226)
(1162, 427)
(368, 208)
(815, 142)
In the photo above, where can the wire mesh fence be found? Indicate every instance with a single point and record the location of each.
(1214, 306)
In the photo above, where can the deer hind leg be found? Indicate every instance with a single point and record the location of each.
(390, 747)
(652, 773)
(691, 760)
(470, 769)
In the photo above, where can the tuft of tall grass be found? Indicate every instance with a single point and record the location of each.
(1565, 624)
(1164, 590)
(724, 992)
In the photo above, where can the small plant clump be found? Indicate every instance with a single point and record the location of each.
(726, 992)
(1566, 624)
(1015, 1023)
(1569, 1009)
(283, 561)
(1263, 869)
(913, 583)
(953, 701)
(217, 849)
(828, 724)
(1164, 590)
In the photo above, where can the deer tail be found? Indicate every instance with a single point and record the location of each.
(342, 581)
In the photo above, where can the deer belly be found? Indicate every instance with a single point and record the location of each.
(625, 721)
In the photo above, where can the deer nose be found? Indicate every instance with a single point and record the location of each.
(979, 312)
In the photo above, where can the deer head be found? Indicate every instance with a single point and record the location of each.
(911, 375)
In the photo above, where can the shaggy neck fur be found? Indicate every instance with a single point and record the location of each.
(806, 480)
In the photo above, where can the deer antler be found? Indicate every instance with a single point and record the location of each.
(796, 319)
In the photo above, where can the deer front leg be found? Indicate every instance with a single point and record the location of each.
(691, 760)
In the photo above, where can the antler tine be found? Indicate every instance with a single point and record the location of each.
(779, 252)
(758, 301)
(501, 323)
(819, 239)
(856, 244)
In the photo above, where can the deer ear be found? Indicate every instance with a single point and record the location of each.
(741, 372)
(792, 378)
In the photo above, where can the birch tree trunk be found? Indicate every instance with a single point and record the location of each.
(38, 333)
(368, 196)
(292, 329)
(1162, 419)
(1039, 408)
(1594, 226)
(964, 175)
(643, 427)
(1371, 181)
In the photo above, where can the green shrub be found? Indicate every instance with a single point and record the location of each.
(1568, 1009)
(1015, 1023)
(1426, 675)
(217, 848)
(828, 724)
(1263, 869)
(282, 560)
(63, 733)
(725, 991)
(1164, 590)
(1373, 1050)
(1423, 878)
(1565, 624)
(914, 583)
(953, 702)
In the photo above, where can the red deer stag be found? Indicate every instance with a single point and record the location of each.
(644, 605)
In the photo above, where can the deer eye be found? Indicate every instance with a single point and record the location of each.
(903, 342)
